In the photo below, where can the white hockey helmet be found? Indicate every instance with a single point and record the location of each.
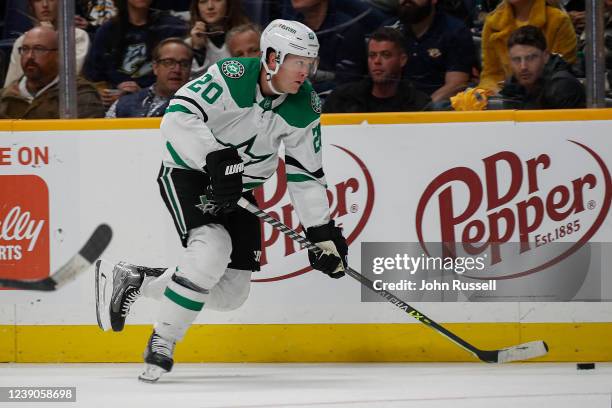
(287, 37)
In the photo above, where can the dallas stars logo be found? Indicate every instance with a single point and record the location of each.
(244, 148)
(232, 69)
(315, 102)
(266, 104)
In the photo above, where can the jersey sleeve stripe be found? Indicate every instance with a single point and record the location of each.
(175, 156)
(194, 103)
(178, 108)
(293, 162)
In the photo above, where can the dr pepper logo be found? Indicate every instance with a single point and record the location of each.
(533, 199)
(350, 193)
(24, 227)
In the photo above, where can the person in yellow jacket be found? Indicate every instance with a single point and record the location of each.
(512, 14)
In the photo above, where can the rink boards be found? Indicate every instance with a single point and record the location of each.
(69, 176)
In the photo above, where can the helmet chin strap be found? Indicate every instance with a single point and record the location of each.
(269, 80)
(271, 72)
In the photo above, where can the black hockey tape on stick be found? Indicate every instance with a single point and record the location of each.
(93, 248)
(519, 352)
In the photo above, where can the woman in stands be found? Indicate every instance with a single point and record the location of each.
(210, 22)
(44, 12)
(512, 14)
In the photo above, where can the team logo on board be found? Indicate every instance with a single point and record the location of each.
(232, 69)
(526, 210)
(24, 227)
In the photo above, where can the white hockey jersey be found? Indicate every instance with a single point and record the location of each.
(225, 107)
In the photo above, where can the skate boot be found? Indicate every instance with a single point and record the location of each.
(157, 357)
(117, 288)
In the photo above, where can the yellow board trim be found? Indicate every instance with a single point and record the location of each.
(560, 115)
(8, 351)
(304, 342)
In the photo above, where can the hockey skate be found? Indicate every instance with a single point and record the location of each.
(117, 288)
(158, 358)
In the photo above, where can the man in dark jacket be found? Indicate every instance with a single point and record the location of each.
(540, 80)
(440, 47)
(383, 90)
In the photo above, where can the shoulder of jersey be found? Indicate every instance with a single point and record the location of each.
(302, 108)
(240, 76)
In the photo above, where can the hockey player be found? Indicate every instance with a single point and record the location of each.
(222, 133)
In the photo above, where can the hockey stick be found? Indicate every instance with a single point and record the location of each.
(522, 351)
(93, 248)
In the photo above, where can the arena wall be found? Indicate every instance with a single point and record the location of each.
(74, 175)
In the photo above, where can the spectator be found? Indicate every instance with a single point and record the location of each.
(45, 13)
(171, 66)
(507, 17)
(243, 41)
(440, 49)
(120, 59)
(383, 91)
(210, 21)
(342, 46)
(539, 80)
(36, 94)
(91, 14)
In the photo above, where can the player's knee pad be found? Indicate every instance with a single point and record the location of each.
(231, 291)
(207, 254)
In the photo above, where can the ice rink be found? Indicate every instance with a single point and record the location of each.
(432, 385)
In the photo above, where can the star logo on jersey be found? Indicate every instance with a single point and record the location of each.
(315, 102)
(232, 69)
(244, 149)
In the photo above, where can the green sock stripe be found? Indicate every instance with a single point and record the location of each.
(183, 301)
(298, 178)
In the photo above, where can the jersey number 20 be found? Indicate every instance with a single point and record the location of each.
(210, 93)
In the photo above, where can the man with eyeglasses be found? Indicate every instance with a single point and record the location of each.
(36, 94)
(171, 66)
(540, 80)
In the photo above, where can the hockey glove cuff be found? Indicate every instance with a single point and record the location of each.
(333, 259)
(225, 169)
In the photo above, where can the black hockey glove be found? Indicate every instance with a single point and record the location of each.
(329, 238)
(225, 169)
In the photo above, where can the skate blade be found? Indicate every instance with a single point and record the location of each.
(151, 373)
(104, 289)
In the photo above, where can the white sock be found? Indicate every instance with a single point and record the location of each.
(154, 287)
(179, 308)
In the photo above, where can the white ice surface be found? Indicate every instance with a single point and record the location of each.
(323, 385)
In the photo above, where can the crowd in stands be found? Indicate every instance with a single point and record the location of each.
(375, 55)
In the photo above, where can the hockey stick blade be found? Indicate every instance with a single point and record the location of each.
(93, 248)
(523, 351)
